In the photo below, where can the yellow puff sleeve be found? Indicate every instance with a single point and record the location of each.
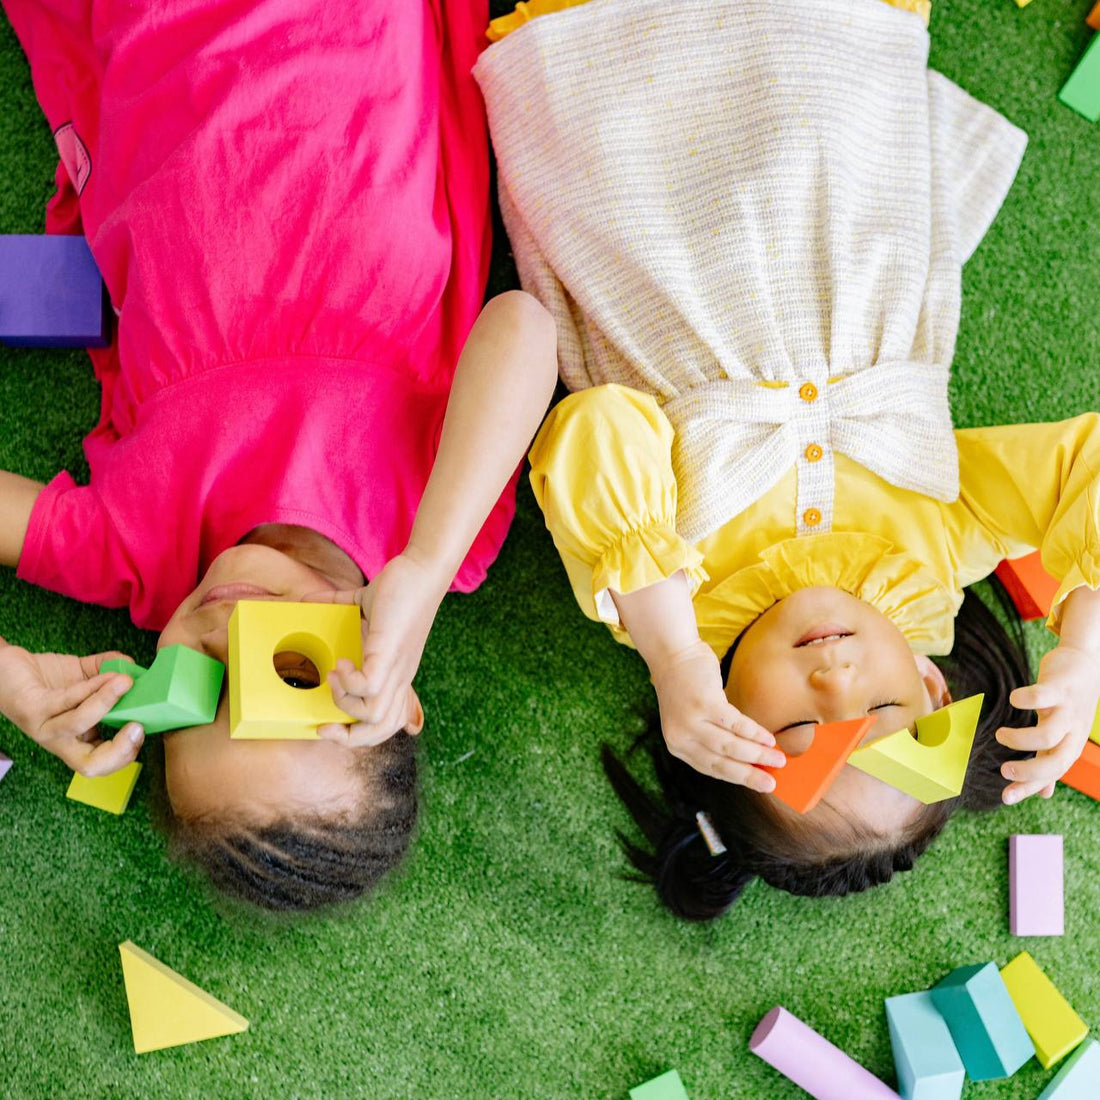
(601, 470)
(1030, 486)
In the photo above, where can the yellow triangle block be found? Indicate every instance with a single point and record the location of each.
(1095, 734)
(166, 1010)
(932, 766)
(106, 792)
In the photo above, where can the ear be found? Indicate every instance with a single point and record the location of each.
(934, 681)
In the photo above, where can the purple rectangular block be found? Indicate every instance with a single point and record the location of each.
(5, 764)
(1035, 890)
(51, 293)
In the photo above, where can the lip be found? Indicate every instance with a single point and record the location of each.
(234, 592)
(825, 630)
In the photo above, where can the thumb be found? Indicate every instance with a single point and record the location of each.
(107, 757)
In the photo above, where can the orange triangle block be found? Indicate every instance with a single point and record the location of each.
(166, 1010)
(1084, 776)
(804, 779)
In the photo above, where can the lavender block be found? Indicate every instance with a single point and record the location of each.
(5, 765)
(51, 293)
(1035, 891)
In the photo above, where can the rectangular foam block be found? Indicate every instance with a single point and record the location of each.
(1081, 92)
(51, 293)
(1054, 1027)
(1077, 1078)
(106, 792)
(1035, 885)
(1084, 776)
(983, 1020)
(666, 1087)
(927, 1063)
(5, 765)
(1031, 587)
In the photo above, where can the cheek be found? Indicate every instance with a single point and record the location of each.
(758, 686)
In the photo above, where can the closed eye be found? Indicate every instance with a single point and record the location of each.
(813, 722)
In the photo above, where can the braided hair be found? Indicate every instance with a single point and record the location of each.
(785, 852)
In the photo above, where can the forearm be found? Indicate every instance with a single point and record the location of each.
(502, 386)
(1081, 621)
(660, 619)
(17, 497)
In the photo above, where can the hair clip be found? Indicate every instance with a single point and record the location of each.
(710, 834)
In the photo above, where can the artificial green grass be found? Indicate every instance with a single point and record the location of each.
(507, 960)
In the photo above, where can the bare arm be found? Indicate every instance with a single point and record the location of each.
(17, 497)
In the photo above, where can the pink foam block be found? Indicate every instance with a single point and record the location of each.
(1035, 899)
(812, 1062)
(5, 763)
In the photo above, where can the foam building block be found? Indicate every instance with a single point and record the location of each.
(927, 1063)
(524, 12)
(804, 779)
(261, 705)
(1081, 92)
(5, 765)
(1036, 904)
(931, 766)
(983, 1021)
(1054, 1027)
(1084, 775)
(1094, 734)
(811, 1061)
(1031, 587)
(666, 1087)
(1077, 1079)
(51, 294)
(180, 688)
(1093, 18)
(106, 792)
(166, 1010)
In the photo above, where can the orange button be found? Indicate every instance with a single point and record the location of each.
(813, 453)
(807, 391)
(811, 517)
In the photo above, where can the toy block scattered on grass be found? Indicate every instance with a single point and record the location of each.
(927, 1063)
(106, 792)
(180, 688)
(1093, 18)
(261, 705)
(1084, 775)
(1094, 735)
(931, 766)
(804, 779)
(1030, 586)
(1054, 1027)
(982, 1018)
(1035, 885)
(166, 1010)
(666, 1087)
(1077, 1078)
(811, 1061)
(1081, 92)
(5, 765)
(51, 293)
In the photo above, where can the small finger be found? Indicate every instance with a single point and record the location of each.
(1041, 738)
(414, 715)
(378, 670)
(744, 774)
(1048, 790)
(1039, 770)
(105, 757)
(1035, 697)
(82, 706)
(1017, 792)
(748, 752)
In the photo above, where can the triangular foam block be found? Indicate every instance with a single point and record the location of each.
(166, 1010)
(106, 792)
(804, 779)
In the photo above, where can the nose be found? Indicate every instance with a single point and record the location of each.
(834, 680)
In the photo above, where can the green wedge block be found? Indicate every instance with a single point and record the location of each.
(180, 688)
(1082, 91)
(666, 1087)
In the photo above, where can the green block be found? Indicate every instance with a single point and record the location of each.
(1082, 90)
(666, 1087)
(180, 688)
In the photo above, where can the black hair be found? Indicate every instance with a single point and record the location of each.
(987, 657)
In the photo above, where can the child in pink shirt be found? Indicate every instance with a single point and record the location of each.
(290, 209)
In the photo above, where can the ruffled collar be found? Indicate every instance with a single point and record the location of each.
(871, 568)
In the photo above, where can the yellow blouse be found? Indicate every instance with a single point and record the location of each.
(601, 469)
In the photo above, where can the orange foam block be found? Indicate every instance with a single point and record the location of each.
(804, 779)
(1084, 776)
(1093, 18)
(1031, 587)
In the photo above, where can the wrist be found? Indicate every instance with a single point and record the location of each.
(1080, 622)
(437, 567)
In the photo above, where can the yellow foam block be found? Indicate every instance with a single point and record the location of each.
(166, 1010)
(923, 8)
(261, 705)
(1054, 1027)
(931, 766)
(1095, 734)
(106, 792)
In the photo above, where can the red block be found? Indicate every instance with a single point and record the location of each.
(804, 779)
(1031, 587)
(1084, 776)
(1093, 18)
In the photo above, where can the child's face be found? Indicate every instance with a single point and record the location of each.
(258, 780)
(821, 655)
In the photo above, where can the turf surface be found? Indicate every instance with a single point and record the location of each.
(507, 960)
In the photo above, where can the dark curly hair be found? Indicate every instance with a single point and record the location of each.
(783, 852)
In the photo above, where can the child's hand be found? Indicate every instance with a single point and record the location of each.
(1065, 696)
(58, 700)
(399, 607)
(704, 729)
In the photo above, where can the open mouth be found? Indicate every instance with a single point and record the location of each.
(823, 635)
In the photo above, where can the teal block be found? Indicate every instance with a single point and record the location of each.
(666, 1087)
(925, 1057)
(180, 688)
(1079, 1077)
(987, 1029)
(1082, 91)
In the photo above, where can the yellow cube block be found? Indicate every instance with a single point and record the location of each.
(261, 705)
(1054, 1027)
(106, 792)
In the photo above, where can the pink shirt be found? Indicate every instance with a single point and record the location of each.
(289, 204)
